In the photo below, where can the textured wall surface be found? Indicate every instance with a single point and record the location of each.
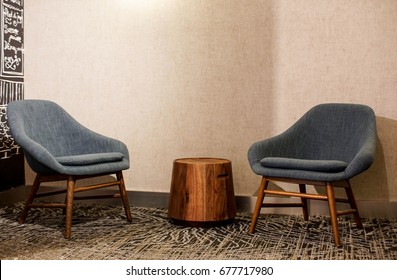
(189, 78)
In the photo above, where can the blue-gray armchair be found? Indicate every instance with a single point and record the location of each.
(329, 145)
(57, 147)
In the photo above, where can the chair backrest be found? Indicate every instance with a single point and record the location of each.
(46, 123)
(332, 131)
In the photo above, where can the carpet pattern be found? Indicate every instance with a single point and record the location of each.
(102, 233)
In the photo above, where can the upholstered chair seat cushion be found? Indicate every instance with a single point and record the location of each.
(304, 164)
(88, 159)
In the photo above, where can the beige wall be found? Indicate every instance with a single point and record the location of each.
(181, 78)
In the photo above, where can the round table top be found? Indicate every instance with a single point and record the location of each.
(202, 160)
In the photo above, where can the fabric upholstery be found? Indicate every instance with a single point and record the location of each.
(331, 142)
(304, 164)
(88, 159)
(54, 142)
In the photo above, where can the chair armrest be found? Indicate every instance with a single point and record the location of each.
(271, 147)
(91, 142)
(37, 155)
(363, 159)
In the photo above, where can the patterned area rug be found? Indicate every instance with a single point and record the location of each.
(102, 233)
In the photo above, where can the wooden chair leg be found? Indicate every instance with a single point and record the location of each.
(353, 205)
(32, 195)
(332, 211)
(124, 196)
(302, 189)
(258, 205)
(69, 205)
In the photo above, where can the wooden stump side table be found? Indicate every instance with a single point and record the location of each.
(202, 192)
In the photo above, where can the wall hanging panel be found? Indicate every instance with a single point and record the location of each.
(11, 88)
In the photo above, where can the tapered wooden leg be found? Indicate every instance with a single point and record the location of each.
(353, 205)
(124, 196)
(332, 211)
(33, 192)
(69, 205)
(302, 189)
(258, 205)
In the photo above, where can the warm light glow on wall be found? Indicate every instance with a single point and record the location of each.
(141, 4)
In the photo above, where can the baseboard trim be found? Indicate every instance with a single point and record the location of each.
(367, 208)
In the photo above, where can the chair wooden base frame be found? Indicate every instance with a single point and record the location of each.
(70, 190)
(329, 197)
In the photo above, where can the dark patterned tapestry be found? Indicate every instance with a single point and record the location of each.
(11, 88)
